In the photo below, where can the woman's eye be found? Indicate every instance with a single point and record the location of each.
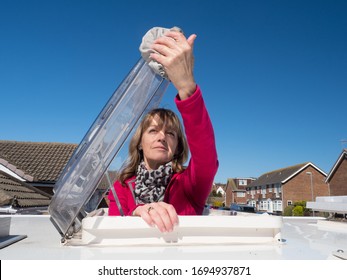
(171, 133)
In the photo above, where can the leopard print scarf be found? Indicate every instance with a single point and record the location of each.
(150, 185)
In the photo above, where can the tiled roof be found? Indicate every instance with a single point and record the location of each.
(43, 161)
(231, 184)
(277, 176)
(342, 157)
(19, 194)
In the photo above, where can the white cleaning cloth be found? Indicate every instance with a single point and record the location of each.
(145, 48)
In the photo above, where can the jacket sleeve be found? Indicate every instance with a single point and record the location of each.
(199, 175)
(125, 198)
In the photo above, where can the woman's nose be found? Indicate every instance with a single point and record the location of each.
(162, 136)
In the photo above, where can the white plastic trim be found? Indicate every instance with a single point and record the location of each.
(125, 231)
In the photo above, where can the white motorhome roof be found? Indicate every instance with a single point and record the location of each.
(303, 238)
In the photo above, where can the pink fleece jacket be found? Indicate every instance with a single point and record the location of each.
(189, 189)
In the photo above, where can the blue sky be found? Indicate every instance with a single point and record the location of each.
(273, 73)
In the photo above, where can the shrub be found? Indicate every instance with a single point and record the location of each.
(300, 203)
(298, 211)
(288, 211)
(218, 204)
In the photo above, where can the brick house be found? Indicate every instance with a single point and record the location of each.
(35, 163)
(36, 166)
(216, 200)
(28, 172)
(275, 190)
(236, 190)
(337, 177)
(16, 194)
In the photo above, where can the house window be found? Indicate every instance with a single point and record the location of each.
(289, 202)
(263, 190)
(242, 182)
(263, 205)
(260, 205)
(270, 188)
(240, 194)
(277, 205)
(277, 190)
(252, 203)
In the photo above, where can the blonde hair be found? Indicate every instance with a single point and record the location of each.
(167, 118)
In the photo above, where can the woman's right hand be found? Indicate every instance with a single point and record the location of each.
(159, 214)
(175, 52)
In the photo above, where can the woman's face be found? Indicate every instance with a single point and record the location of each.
(158, 143)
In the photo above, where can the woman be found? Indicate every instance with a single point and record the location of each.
(154, 185)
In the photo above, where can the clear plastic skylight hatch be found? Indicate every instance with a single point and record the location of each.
(75, 191)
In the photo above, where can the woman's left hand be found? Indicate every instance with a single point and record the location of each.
(175, 53)
(160, 214)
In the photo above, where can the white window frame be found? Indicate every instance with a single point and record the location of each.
(277, 205)
(263, 189)
(242, 182)
(252, 203)
(264, 205)
(240, 194)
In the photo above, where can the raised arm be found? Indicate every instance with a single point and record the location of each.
(175, 53)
